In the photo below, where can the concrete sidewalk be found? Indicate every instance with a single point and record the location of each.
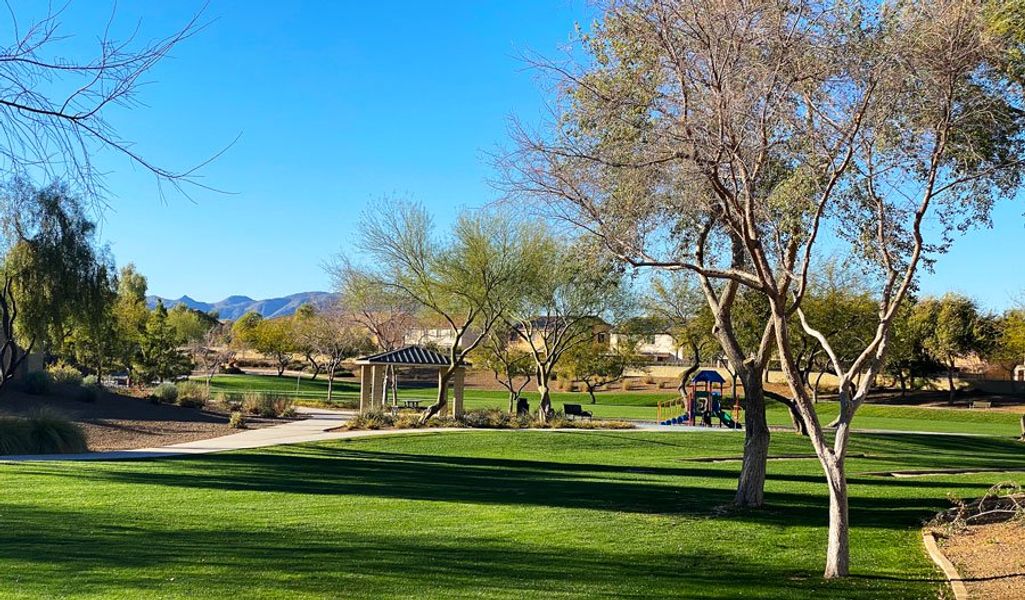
(314, 428)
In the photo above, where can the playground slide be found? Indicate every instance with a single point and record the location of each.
(727, 420)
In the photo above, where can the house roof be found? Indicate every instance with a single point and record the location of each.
(410, 356)
(708, 375)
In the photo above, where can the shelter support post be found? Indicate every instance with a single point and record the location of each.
(365, 388)
(379, 393)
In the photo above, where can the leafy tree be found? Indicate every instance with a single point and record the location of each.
(189, 324)
(274, 338)
(57, 268)
(161, 357)
(511, 365)
(953, 328)
(307, 329)
(463, 280)
(130, 316)
(596, 365)
(566, 291)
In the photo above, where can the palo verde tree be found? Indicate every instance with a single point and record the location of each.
(564, 301)
(503, 355)
(727, 139)
(463, 280)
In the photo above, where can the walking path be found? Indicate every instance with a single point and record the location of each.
(315, 428)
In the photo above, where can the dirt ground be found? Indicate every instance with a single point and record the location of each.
(991, 560)
(116, 422)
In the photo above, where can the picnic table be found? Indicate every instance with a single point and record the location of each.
(414, 404)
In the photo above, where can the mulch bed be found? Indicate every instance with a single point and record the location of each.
(983, 540)
(117, 422)
(990, 559)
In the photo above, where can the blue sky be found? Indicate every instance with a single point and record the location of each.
(342, 103)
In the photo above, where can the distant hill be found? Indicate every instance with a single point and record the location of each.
(234, 307)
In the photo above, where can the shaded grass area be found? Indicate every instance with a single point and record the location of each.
(641, 405)
(476, 514)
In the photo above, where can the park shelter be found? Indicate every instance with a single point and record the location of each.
(372, 389)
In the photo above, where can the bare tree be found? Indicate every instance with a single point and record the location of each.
(338, 337)
(212, 351)
(386, 314)
(54, 107)
(726, 139)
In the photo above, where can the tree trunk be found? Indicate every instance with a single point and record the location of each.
(512, 401)
(838, 556)
(815, 390)
(315, 366)
(590, 392)
(442, 401)
(800, 427)
(903, 384)
(544, 408)
(751, 484)
(393, 380)
(950, 382)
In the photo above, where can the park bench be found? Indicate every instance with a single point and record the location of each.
(981, 404)
(574, 410)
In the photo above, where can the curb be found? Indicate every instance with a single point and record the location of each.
(949, 571)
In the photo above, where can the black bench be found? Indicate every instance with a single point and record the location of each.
(574, 410)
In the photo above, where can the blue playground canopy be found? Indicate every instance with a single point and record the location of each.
(709, 376)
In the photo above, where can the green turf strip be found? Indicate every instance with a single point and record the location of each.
(517, 514)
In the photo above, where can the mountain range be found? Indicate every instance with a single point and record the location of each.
(234, 307)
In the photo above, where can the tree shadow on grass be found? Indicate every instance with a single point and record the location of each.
(792, 499)
(79, 553)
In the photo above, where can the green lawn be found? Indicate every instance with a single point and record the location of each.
(519, 514)
(641, 405)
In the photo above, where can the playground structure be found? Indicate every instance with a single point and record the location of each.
(704, 403)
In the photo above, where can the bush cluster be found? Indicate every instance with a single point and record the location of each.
(268, 405)
(165, 392)
(36, 383)
(482, 418)
(237, 420)
(88, 392)
(43, 433)
(192, 394)
(64, 374)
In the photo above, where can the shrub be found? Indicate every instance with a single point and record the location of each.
(91, 380)
(192, 394)
(87, 393)
(267, 405)
(36, 383)
(648, 380)
(43, 433)
(64, 374)
(237, 420)
(165, 392)
(488, 418)
(371, 420)
(408, 420)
